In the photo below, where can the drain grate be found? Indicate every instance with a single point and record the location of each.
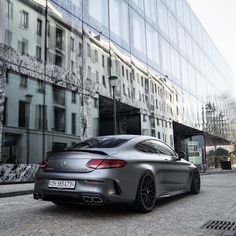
(222, 226)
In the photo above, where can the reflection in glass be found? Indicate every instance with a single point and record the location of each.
(152, 46)
(165, 55)
(138, 35)
(119, 22)
(151, 11)
(162, 17)
(98, 10)
(172, 28)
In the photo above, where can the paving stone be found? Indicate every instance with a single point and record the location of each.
(178, 216)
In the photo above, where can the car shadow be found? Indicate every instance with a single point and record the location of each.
(108, 210)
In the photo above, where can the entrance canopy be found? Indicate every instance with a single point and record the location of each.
(184, 131)
(128, 117)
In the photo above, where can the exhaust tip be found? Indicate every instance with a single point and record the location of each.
(92, 200)
(87, 199)
(97, 200)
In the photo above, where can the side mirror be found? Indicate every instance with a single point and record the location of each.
(181, 155)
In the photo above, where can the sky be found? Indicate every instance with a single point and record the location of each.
(219, 19)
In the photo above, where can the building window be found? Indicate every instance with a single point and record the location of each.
(8, 38)
(159, 135)
(24, 19)
(138, 78)
(38, 53)
(96, 56)
(146, 85)
(124, 92)
(40, 86)
(59, 38)
(73, 96)
(23, 46)
(59, 95)
(97, 77)
(89, 72)
(133, 93)
(88, 50)
(23, 81)
(73, 123)
(72, 44)
(58, 59)
(48, 28)
(176, 98)
(59, 119)
(127, 74)
(142, 81)
(123, 70)
(95, 102)
(42, 117)
(80, 49)
(109, 64)
(104, 81)
(158, 122)
(22, 119)
(129, 93)
(39, 27)
(9, 9)
(103, 61)
(156, 104)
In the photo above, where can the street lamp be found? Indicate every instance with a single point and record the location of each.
(28, 100)
(113, 83)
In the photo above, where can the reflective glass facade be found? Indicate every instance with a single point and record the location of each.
(56, 58)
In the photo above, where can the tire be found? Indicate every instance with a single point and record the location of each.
(146, 194)
(196, 183)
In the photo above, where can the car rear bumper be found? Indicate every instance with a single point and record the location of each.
(88, 191)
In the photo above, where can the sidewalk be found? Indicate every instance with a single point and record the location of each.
(10, 190)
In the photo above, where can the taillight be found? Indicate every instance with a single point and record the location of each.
(43, 164)
(104, 164)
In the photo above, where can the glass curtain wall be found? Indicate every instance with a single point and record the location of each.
(56, 58)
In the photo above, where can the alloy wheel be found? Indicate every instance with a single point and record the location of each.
(148, 191)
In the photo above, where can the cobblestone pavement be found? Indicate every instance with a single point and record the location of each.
(182, 215)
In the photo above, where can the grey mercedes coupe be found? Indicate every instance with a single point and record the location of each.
(129, 169)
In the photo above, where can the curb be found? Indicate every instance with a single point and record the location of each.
(219, 172)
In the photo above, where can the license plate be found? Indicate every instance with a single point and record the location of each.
(64, 184)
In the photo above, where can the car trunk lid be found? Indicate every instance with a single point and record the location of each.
(74, 160)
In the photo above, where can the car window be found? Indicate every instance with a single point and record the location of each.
(162, 149)
(99, 143)
(146, 146)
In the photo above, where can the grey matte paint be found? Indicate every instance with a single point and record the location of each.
(172, 176)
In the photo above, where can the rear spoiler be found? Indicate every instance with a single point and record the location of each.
(79, 150)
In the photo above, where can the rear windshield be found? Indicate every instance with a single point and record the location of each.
(100, 143)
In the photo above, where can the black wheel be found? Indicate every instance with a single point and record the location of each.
(146, 194)
(196, 183)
